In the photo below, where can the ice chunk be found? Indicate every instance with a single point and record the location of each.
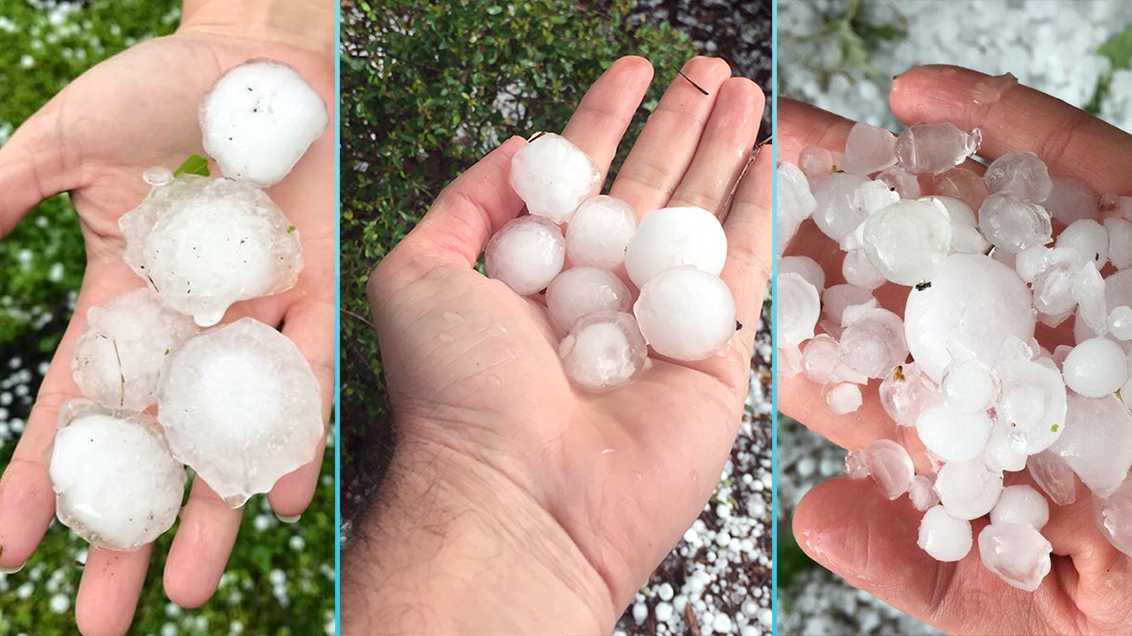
(1021, 175)
(1120, 322)
(953, 435)
(821, 360)
(965, 236)
(962, 184)
(1089, 238)
(1013, 224)
(934, 148)
(794, 204)
(1021, 504)
(671, 237)
(1095, 368)
(859, 271)
(815, 161)
(1119, 242)
(1000, 453)
(944, 537)
(584, 290)
(1031, 404)
(872, 342)
(686, 314)
(836, 299)
(603, 351)
(969, 385)
(843, 398)
(1017, 553)
(868, 149)
(1114, 516)
(798, 308)
(921, 493)
(887, 463)
(902, 182)
(907, 240)
(1097, 442)
(836, 212)
(968, 490)
(1071, 199)
(599, 232)
(1089, 293)
(1117, 292)
(1054, 476)
(905, 392)
(553, 177)
(805, 267)
(527, 253)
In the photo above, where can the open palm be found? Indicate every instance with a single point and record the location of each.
(848, 526)
(94, 139)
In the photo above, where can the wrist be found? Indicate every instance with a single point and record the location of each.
(308, 24)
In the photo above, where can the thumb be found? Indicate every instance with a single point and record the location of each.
(33, 166)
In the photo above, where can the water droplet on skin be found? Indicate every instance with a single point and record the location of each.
(158, 176)
(990, 90)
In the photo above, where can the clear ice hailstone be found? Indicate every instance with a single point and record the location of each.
(1113, 515)
(119, 357)
(1021, 504)
(934, 148)
(815, 161)
(859, 271)
(795, 203)
(1054, 476)
(1071, 199)
(1017, 553)
(868, 149)
(671, 237)
(843, 398)
(836, 299)
(872, 342)
(953, 435)
(599, 232)
(1013, 224)
(1087, 237)
(805, 267)
(1032, 403)
(1097, 442)
(1000, 453)
(115, 483)
(905, 393)
(584, 290)
(157, 176)
(603, 351)
(836, 211)
(553, 177)
(798, 307)
(969, 385)
(962, 184)
(1095, 368)
(968, 490)
(204, 244)
(259, 119)
(1120, 322)
(904, 183)
(1119, 242)
(887, 463)
(921, 493)
(241, 407)
(907, 240)
(1021, 175)
(686, 314)
(944, 537)
(527, 253)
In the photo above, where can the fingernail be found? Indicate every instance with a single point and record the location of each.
(4, 570)
(286, 519)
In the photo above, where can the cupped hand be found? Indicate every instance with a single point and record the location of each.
(94, 139)
(569, 499)
(848, 526)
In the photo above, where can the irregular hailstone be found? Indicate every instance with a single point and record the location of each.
(1088, 238)
(907, 240)
(553, 177)
(1071, 199)
(1017, 553)
(969, 385)
(798, 307)
(241, 407)
(921, 494)
(906, 184)
(115, 483)
(944, 537)
(905, 392)
(1096, 367)
(968, 490)
(1014, 224)
(843, 398)
(868, 149)
(836, 212)
(671, 237)
(961, 184)
(604, 350)
(527, 253)
(822, 363)
(584, 290)
(872, 341)
(838, 298)
(258, 121)
(1021, 504)
(1000, 453)
(599, 232)
(795, 204)
(934, 148)
(1089, 294)
(887, 462)
(1031, 403)
(204, 244)
(685, 313)
(1113, 515)
(859, 271)
(1054, 476)
(1119, 242)
(1097, 442)
(953, 435)
(815, 161)
(119, 357)
(1117, 292)
(805, 267)
(1021, 175)
(965, 235)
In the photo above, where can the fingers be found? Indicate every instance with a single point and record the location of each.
(201, 547)
(109, 591)
(801, 125)
(33, 166)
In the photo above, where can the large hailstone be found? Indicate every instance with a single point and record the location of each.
(119, 357)
(584, 290)
(241, 407)
(1097, 442)
(907, 240)
(837, 210)
(553, 177)
(968, 490)
(795, 204)
(258, 121)
(799, 307)
(686, 314)
(1113, 515)
(670, 237)
(1017, 553)
(944, 537)
(887, 462)
(115, 483)
(868, 149)
(204, 244)
(604, 350)
(599, 232)
(935, 148)
(526, 254)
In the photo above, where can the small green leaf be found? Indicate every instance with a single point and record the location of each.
(195, 164)
(1053, 428)
(290, 229)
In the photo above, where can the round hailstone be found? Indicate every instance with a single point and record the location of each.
(859, 271)
(836, 299)
(843, 398)
(1013, 224)
(921, 493)
(872, 342)
(1113, 515)
(584, 290)
(1000, 453)
(115, 483)
(798, 307)
(603, 351)
(686, 314)
(1017, 553)
(905, 392)
(968, 490)
(553, 177)
(1021, 175)
(1071, 199)
(258, 121)
(969, 386)
(671, 237)
(1097, 442)
(821, 359)
(527, 253)
(953, 435)
(1119, 242)
(794, 204)
(836, 212)
(944, 537)
(906, 185)
(1087, 237)
(1021, 504)
(934, 148)
(962, 184)
(815, 161)
(868, 149)
(805, 267)
(888, 464)
(907, 240)
(1054, 476)
(1120, 322)
(119, 357)
(599, 232)
(1031, 403)
(1095, 368)
(204, 244)
(973, 302)
(241, 407)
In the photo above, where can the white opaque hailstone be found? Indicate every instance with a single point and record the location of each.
(204, 244)
(869, 198)
(836, 299)
(527, 253)
(1120, 322)
(1037, 259)
(944, 537)
(836, 211)
(1097, 442)
(969, 386)
(859, 271)
(907, 240)
(1089, 293)
(259, 119)
(553, 177)
(905, 392)
(805, 267)
(1021, 175)
(115, 483)
(868, 149)
(843, 398)
(599, 232)
(686, 314)
(1013, 224)
(815, 161)
(1032, 403)
(671, 237)
(872, 342)
(887, 462)
(241, 407)
(119, 357)
(1071, 199)
(798, 308)
(1113, 515)
(965, 235)
(968, 490)
(1017, 553)
(921, 493)
(904, 183)
(794, 204)
(953, 435)
(1000, 453)
(1119, 242)
(1089, 238)
(821, 361)
(1021, 504)
(934, 148)
(604, 350)
(1054, 476)
(585, 290)
(1096, 367)
(1053, 291)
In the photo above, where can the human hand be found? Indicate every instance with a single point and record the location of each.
(849, 526)
(94, 139)
(516, 503)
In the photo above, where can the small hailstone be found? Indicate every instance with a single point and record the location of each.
(259, 119)
(1097, 442)
(815, 161)
(1087, 237)
(1113, 515)
(965, 236)
(887, 462)
(1071, 199)
(907, 240)
(1000, 453)
(962, 184)
(115, 483)
(157, 176)
(836, 299)
(1021, 175)
(968, 490)
(798, 308)
(969, 386)
(1054, 476)
(603, 350)
(905, 392)
(599, 232)
(1117, 292)
(858, 270)
(1053, 291)
(1017, 553)
(934, 148)
(795, 203)
(1120, 322)
(1119, 242)
(686, 314)
(868, 149)
(1013, 224)
(843, 398)
(944, 537)
(904, 183)
(241, 407)
(118, 358)
(1096, 367)
(1089, 294)
(836, 213)
(1032, 403)
(872, 342)
(204, 244)
(1021, 504)
(805, 267)
(821, 359)
(921, 493)
(527, 254)
(640, 612)
(671, 237)
(553, 177)
(584, 290)
(953, 435)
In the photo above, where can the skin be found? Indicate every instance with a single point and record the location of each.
(93, 140)
(848, 526)
(516, 503)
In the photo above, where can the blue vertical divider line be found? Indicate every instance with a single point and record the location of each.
(774, 316)
(337, 321)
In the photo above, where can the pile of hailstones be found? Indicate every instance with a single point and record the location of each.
(684, 310)
(984, 395)
(236, 403)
